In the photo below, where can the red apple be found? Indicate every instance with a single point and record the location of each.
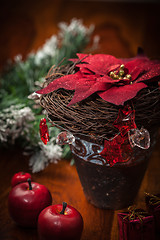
(26, 201)
(60, 223)
(19, 178)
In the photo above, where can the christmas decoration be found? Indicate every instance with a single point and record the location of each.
(111, 108)
(60, 221)
(139, 138)
(19, 116)
(44, 131)
(136, 224)
(26, 201)
(113, 150)
(119, 145)
(65, 138)
(19, 178)
(125, 120)
(114, 80)
(15, 121)
(153, 207)
(94, 116)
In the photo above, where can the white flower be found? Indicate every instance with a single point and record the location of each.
(15, 122)
(47, 154)
(18, 58)
(49, 49)
(75, 27)
(51, 150)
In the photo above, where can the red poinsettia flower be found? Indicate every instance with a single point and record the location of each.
(114, 80)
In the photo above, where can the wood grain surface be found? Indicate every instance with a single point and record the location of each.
(122, 27)
(63, 182)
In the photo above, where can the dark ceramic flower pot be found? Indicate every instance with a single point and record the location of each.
(104, 186)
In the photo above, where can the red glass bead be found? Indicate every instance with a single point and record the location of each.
(125, 120)
(118, 149)
(44, 133)
(114, 150)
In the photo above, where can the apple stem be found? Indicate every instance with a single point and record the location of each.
(29, 182)
(64, 204)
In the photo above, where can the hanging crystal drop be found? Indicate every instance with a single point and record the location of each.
(139, 138)
(43, 129)
(65, 138)
(34, 95)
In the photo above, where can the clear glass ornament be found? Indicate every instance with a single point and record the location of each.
(139, 138)
(65, 138)
(34, 95)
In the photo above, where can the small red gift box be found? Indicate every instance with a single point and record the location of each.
(136, 225)
(153, 207)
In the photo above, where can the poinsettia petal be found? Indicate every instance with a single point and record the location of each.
(67, 82)
(135, 73)
(113, 68)
(154, 71)
(99, 63)
(73, 60)
(144, 67)
(85, 70)
(136, 67)
(87, 89)
(119, 95)
(126, 60)
(107, 79)
(148, 65)
(82, 55)
(132, 64)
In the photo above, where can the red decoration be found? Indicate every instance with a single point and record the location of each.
(96, 75)
(125, 120)
(60, 222)
(19, 178)
(118, 149)
(44, 133)
(153, 207)
(136, 224)
(26, 201)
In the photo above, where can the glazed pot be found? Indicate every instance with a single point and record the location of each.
(108, 187)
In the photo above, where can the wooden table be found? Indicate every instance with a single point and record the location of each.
(122, 27)
(63, 182)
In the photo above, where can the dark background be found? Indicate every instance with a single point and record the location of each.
(122, 26)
